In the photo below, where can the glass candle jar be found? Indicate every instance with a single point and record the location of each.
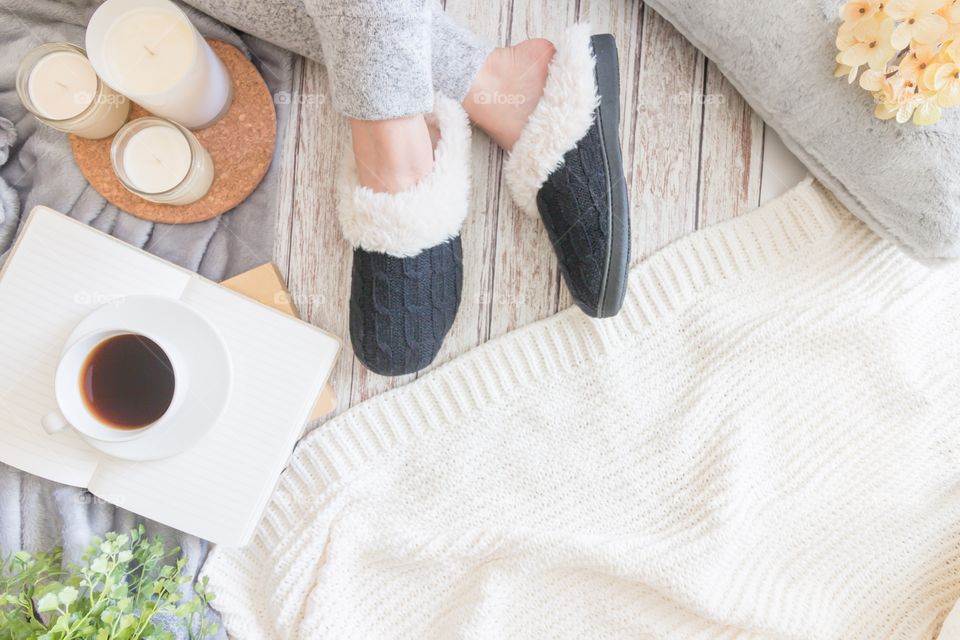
(161, 161)
(57, 84)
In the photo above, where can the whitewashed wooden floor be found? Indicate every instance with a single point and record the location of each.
(695, 155)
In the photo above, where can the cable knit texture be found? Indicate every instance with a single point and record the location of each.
(574, 204)
(763, 444)
(402, 308)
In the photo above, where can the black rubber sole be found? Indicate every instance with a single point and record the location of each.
(607, 73)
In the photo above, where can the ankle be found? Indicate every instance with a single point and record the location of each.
(392, 155)
(489, 80)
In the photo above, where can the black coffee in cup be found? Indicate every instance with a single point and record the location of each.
(127, 381)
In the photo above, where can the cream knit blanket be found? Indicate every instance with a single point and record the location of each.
(764, 444)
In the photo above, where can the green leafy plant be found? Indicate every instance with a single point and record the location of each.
(125, 586)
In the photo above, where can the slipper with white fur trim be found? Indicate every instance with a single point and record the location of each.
(567, 165)
(407, 259)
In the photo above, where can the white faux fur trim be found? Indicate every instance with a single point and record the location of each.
(430, 213)
(559, 121)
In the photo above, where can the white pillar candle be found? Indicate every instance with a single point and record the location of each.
(58, 85)
(150, 52)
(162, 162)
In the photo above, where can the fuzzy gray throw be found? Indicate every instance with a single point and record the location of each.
(899, 179)
(37, 168)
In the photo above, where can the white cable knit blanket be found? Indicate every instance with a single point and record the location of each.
(764, 444)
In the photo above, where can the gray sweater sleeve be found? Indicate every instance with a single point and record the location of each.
(385, 58)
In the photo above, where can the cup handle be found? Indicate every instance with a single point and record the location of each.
(54, 422)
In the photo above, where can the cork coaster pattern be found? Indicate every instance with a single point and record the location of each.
(241, 144)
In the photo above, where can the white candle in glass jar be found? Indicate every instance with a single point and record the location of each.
(61, 85)
(150, 52)
(157, 159)
(162, 162)
(58, 85)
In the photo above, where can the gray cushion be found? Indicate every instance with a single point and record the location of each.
(902, 180)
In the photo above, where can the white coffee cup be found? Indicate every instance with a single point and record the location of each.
(73, 410)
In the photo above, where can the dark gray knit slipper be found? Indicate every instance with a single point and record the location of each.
(407, 258)
(568, 167)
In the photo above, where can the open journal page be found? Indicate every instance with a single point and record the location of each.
(58, 272)
(218, 488)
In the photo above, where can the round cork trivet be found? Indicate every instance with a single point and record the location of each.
(241, 144)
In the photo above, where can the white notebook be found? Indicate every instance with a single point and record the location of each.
(59, 271)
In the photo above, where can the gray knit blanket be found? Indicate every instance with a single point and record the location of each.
(36, 167)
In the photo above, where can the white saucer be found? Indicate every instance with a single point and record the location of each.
(207, 358)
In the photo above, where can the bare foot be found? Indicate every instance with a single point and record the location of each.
(507, 88)
(392, 155)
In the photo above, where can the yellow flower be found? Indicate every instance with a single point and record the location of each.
(951, 51)
(943, 78)
(868, 43)
(885, 110)
(951, 13)
(927, 110)
(873, 81)
(915, 64)
(853, 12)
(945, 81)
(842, 70)
(912, 52)
(897, 98)
(917, 21)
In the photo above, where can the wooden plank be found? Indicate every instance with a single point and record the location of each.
(318, 275)
(526, 278)
(286, 190)
(663, 189)
(479, 235)
(731, 152)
